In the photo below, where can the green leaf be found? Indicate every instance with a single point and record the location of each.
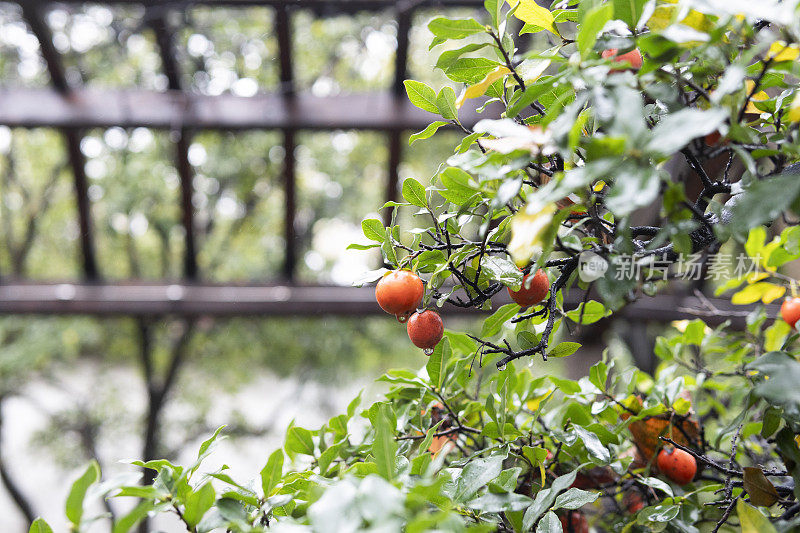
(781, 388)
(272, 472)
(449, 56)
(494, 8)
(446, 103)
(197, 504)
(545, 499)
(633, 187)
(589, 313)
(493, 324)
(127, 522)
(476, 474)
(437, 363)
(445, 28)
(656, 483)
(674, 131)
(414, 192)
(40, 526)
(432, 128)
(502, 270)
(299, 440)
(532, 93)
(593, 445)
(574, 498)
(751, 520)
(549, 524)
(421, 95)
(469, 70)
(74, 504)
(384, 447)
(629, 11)
(564, 349)
(591, 25)
(662, 512)
(762, 201)
(499, 503)
(457, 187)
(373, 229)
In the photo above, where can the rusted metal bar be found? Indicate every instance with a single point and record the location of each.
(131, 108)
(341, 6)
(242, 300)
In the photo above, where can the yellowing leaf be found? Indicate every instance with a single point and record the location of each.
(528, 228)
(533, 403)
(532, 13)
(599, 186)
(757, 97)
(766, 292)
(530, 69)
(479, 88)
(663, 15)
(751, 520)
(772, 294)
(780, 51)
(761, 491)
(794, 109)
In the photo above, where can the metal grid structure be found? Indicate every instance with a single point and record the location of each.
(72, 110)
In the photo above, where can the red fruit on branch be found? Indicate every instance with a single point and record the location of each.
(574, 522)
(425, 330)
(790, 310)
(677, 465)
(534, 289)
(633, 501)
(399, 293)
(634, 57)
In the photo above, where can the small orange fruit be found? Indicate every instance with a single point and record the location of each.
(634, 57)
(425, 330)
(790, 310)
(399, 293)
(534, 289)
(677, 465)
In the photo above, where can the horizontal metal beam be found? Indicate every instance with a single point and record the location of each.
(99, 108)
(243, 300)
(332, 5)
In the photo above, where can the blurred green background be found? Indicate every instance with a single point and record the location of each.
(72, 388)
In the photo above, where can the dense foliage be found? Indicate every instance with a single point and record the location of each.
(578, 142)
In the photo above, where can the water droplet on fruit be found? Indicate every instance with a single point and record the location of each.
(428, 351)
(402, 317)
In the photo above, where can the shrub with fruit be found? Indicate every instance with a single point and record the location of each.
(688, 110)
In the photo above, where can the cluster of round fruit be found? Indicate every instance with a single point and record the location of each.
(400, 293)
